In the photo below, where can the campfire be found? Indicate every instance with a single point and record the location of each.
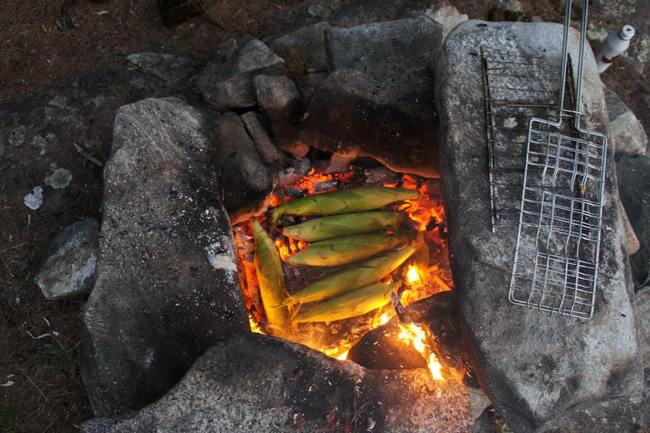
(352, 250)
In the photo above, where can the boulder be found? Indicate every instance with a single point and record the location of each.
(625, 130)
(536, 368)
(393, 122)
(169, 68)
(167, 283)
(303, 50)
(227, 81)
(244, 176)
(69, 268)
(634, 188)
(387, 51)
(232, 389)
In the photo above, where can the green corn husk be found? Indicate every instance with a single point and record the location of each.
(270, 276)
(350, 279)
(343, 201)
(341, 251)
(335, 226)
(352, 304)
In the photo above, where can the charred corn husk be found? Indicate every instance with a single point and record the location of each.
(350, 279)
(335, 226)
(271, 279)
(351, 304)
(341, 251)
(343, 201)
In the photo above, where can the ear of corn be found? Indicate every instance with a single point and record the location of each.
(343, 201)
(351, 304)
(341, 251)
(270, 275)
(350, 279)
(335, 226)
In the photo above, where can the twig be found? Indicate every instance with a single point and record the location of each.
(48, 426)
(6, 250)
(87, 155)
(35, 386)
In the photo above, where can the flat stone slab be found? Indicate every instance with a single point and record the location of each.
(387, 50)
(254, 383)
(167, 283)
(535, 367)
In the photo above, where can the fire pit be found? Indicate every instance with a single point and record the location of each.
(314, 214)
(412, 230)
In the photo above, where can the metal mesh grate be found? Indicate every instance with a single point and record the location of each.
(561, 216)
(561, 199)
(509, 102)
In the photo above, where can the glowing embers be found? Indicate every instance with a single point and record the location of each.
(419, 222)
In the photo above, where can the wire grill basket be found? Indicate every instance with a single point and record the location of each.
(558, 241)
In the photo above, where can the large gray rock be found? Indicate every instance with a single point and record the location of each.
(167, 283)
(260, 384)
(280, 101)
(304, 50)
(388, 50)
(69, 268)
(625, 130)
(244, 176)
(378, 100)
(634, 188)
(394, 122)
(537, 368)
(227, 81)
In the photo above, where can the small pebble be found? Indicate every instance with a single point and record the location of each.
(34, 199)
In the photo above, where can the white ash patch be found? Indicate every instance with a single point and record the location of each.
(221, 256)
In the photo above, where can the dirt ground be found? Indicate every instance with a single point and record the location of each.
(44, 46)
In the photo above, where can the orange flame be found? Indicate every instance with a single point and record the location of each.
(417, 336)
(255, 327)
(414, 276)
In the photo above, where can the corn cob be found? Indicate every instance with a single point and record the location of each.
(341, 251)
(335, 226)
(351, 304)
(343, 201)
(271, 279)
(350, 279)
